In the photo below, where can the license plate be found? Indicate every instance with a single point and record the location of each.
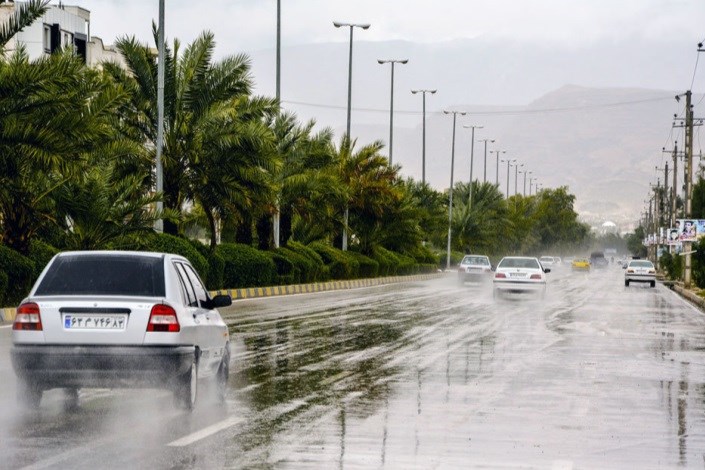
(87, 321)
(517, 275)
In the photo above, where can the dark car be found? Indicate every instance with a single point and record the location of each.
(598, 260)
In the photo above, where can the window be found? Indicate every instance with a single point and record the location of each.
(186, 285)
(46, 39)
(105, 275)
(201, 293)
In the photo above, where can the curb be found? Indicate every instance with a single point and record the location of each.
(256, 292)
(690, 296)
(7, 315)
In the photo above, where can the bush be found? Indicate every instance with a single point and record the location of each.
(20, 275)
(455, 258)
(40, 253)
(304, 268)
(407, 264)
(386, 260)
(165, 243)
(423, 255)
(3, 285)
(368, 266)
(245, 266)
(216, 264)
(321, 272)
(341, 265)
(287, 273)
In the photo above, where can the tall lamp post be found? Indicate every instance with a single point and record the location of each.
(391, 104)
(349, 139)
(509, 164)
(516, 169)
(159, 169)
(423, 141)
(497, 153)
(531, 182)
(525, 173)
(450, 191)
(484, 176)
(472, 159)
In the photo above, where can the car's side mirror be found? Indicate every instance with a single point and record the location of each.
(547, 270)
(222, 300)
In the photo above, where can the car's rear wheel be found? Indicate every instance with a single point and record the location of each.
(29, 395)
(223, 374)
(653, 283)
(186, 391)
(70, 398)
(626, 283)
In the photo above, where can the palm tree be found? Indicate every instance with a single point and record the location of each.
(54, 111)
(199, 96)
(485, 227)
(26, 14)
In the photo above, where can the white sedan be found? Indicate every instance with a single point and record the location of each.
(519, 275)
(119, 319)
(640, 270)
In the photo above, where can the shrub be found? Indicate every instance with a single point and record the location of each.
(386, 260)
(245, 266)
(407, 264)
(3, 285)
(368, 266)
(165, 243)
(305, 269)
(216, 264)
(287, 273)
(341, 265)
(320, 271)
(20, 275)
(40, 253)
(423, 255)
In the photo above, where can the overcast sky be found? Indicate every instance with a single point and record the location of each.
(245, 25)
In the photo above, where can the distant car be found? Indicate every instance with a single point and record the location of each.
(598, 260)
(568, 259)
(557, 260)
(474, 268)
(547, 261)
(520, 275)
(580, 264)
(119, 319)
(640, 270)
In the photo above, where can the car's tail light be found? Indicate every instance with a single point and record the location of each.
(652, 271)
(500, 276)
(28, 318)
(163, 318)
(535, 276)
(630, 270)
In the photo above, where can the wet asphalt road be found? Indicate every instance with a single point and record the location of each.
(416, 375)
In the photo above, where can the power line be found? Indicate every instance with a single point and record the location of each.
(492, 113)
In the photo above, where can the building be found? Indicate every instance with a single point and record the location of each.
(62, 26)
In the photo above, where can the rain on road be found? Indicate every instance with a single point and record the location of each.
(414, 375)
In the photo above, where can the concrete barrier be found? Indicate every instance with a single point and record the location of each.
(690, 296)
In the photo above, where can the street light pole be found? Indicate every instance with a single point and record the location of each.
(159, 169)
(509, 164)
(349, 139)
(450, 191)
(497, 152)
(484, 176)
(391, 104)
(423, 142)
(472, 159)
(525, 172)
(516, 169)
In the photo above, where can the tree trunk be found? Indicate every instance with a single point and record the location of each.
(285, 225)
(211, 224)
(264, 233)
(243, 234)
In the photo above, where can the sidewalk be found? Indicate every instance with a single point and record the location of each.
(7, 315)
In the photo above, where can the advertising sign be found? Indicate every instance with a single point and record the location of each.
(689, 230)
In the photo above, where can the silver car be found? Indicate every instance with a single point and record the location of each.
(640, 270)
(474, 268)
(119, 319)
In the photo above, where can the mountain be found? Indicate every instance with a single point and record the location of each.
(602, 138)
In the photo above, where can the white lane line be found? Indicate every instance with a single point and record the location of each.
(206, 432)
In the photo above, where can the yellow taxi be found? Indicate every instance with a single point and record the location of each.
(580, 264)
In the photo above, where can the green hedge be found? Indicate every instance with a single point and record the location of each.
(4, 280)
(423, 255)
(40, 253)
(20, 275)
(321, 271)
(287, 273)
(246, 266)
(341, 264)
(216, 265)
(368, 266)
(304, 268)
(455, 258)
(165, 243)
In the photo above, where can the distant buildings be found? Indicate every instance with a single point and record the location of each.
(62, 26)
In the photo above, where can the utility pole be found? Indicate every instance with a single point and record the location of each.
(472, 159)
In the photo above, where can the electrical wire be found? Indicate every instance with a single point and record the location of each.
(491, 113)
(695, 69)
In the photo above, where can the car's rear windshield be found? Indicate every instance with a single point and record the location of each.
(104, 275)
(476, 260)
(641, 264)
(519, 263)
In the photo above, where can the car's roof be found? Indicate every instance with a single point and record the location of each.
(145, 254)
(519, 257)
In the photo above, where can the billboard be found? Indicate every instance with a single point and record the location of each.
(687, 230)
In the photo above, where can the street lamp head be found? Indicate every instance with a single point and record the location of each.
(380, 61)
(468, 126)
(446, 112)
(338, 24)
(433, 92)
(404, 61)
(364, 26)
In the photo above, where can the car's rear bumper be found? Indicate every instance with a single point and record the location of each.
(474, 276)
(640, 277)
(519, 286)
(51, 366)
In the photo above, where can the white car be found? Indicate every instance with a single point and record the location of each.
(474, 268)
(119, 319)
(547, 261)
(520, 274)
(640, 270)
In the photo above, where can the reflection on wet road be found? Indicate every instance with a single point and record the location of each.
(418, 375)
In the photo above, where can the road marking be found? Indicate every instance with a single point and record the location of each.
(206, 432)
